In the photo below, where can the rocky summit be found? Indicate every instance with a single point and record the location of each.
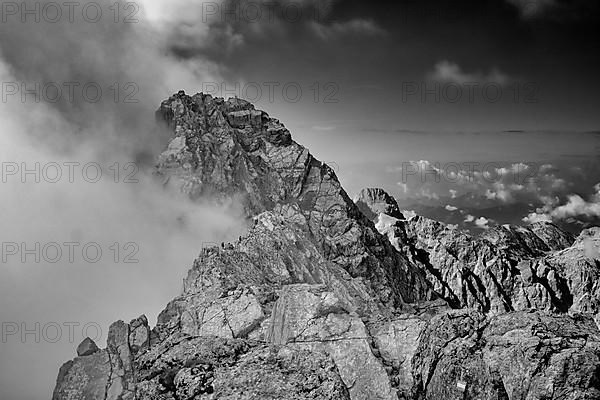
(329, 298)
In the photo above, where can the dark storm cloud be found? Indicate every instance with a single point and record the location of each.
(240, 26)
(386, 45)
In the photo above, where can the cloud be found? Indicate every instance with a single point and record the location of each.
(219, 31)
(128, 63)
(574, 207)
(505, 183)
(533, 8)
(167, 228)
(546, 186)
(482, 222)
(408, 214)
(491, 184)
(449, 72)
(535, 217)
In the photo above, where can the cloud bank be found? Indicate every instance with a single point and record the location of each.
(449, 72)
(147, 235)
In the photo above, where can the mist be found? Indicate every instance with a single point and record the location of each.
(129, 240)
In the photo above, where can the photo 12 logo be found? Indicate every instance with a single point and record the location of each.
(68, 92)
(69, 252)
(467, 172)
(290, 92)
(51, 12)
(50, 332)
(263, 11)
(67, 172)
(470, 92)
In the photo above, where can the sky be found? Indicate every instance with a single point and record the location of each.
(476, 112)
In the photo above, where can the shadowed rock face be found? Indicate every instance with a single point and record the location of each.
(315, 303)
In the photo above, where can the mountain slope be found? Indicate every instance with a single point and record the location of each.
(507, 268)
(314, 302)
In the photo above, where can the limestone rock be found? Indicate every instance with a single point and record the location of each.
(186, 368)
(327, 299)
(578, 267)
(375, 201)
(504, 269)
(231, 149)
(524, 355)
(396, 341)
(84, 378)
(554, 237)
(310, 317)
(87, 347)
(521, 242)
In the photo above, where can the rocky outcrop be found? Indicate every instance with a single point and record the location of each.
(229, 149)
(188, 367)
(307, 240)
(327, 299)
(507, 268)
(375, 201)
(522, 355)
(553, 237)
(519, 242)
(516, 271)
(108, 373)
(192, 367)
(87, 347)
(579, 267)
(312, 317)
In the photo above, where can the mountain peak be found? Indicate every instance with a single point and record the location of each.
(315, 303)
(376, 200)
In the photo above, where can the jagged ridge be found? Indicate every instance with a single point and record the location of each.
(315, 302)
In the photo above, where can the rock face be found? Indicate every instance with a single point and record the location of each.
(192, 367)
(522, 355)
(579, 265)
(87, 347)
(517, 270)
(327, 299)
(507, 268)
(375, 201)
(229, 149)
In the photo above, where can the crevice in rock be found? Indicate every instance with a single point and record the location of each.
(423, 257)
